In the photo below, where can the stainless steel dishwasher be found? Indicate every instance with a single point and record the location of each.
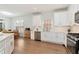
(37, 35)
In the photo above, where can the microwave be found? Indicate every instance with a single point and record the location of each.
(77, 17)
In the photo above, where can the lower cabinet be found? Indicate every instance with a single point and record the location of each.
(54, 37)
(7, 45)
(2, 51)
(2, 47)
(27, 34)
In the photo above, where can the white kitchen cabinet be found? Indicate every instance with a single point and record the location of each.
(60, 37)
(45, 36)
(54, 37)
(6, 43)
(9, 46)
(2, 47)
(2, 51)
(61, 18)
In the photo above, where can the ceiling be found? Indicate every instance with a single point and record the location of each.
(21, 9)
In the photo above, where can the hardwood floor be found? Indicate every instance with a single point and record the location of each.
(27, 46)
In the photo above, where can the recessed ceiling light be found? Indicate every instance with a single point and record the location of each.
(35, 8)
(6, 13)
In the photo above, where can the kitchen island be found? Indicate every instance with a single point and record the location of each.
(6, 43)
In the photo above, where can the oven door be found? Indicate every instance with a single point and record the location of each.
(71, 46)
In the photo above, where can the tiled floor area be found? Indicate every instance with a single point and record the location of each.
(28, 46)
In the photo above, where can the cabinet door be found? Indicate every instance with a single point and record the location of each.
(61, 18)
(2, 51)
(60, 38)
(48, 36)
(2, 46)
(44, 36)
(9, 45)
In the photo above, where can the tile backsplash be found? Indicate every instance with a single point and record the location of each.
(75, 29)
(61, 29)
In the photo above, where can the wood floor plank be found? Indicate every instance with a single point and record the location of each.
(25, 46)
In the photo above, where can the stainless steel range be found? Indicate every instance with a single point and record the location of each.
(73, 43)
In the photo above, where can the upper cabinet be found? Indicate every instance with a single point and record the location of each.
(74, 8)
(61, 18)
